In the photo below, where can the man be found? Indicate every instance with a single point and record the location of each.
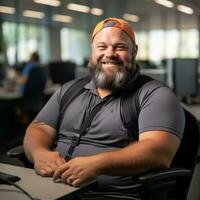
(106, 152)
(33, 62)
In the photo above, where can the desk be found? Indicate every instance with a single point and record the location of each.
(4, 95)
(16, 94)
(39, 187)
(158, 74)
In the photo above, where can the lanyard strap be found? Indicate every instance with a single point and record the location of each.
(81, 132)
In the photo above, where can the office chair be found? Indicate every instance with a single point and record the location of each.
(169, 184)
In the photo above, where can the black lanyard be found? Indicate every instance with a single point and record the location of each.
(84, 126)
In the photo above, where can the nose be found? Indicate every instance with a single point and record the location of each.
(110, 52)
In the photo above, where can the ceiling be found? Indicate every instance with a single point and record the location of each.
(152, 15)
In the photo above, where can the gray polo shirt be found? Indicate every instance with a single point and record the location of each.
(160, 110)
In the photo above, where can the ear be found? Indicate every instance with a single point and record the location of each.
(135, 50)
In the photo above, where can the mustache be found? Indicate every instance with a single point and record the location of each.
(98, 66)
(115, 61)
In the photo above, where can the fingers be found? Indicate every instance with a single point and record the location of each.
(45, 171)
(71, 180)
(74, 181)
(68, 175)
(60, 161)
(59, 172)
(49, 167)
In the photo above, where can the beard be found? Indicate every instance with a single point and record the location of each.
(112, 81)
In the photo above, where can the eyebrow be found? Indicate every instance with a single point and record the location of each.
(100, 43)
(118, 43)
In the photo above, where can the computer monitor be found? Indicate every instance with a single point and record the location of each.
(185, 76)
(61, 72)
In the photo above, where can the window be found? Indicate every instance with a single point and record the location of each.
(189, 43)
(143, 46)
(21, 40)
(163, 44)
(171, 43)
(75, 45)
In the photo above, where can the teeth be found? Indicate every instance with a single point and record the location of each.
(109, 63)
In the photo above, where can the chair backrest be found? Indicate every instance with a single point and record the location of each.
(187, 154)
(33, 96)
(61, 72)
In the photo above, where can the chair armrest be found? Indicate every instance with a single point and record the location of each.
(16, 152)
(163, 175)
(159, 184)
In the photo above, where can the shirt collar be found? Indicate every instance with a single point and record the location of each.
(91, 86)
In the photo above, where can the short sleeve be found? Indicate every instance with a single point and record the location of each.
(51, 111)
(160, 110)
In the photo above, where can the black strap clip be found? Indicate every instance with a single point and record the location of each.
(76, 140)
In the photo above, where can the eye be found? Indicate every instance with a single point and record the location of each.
(121, 47)
(101, 47)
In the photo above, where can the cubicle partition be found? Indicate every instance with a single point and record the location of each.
(183, 76)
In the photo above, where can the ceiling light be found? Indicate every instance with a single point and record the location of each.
(55, 3)
(96, 11)
(185, 9)
(78, 7)
(130, 17)
(7, 10)
(33, 14)
(165, 3)
(62, 18)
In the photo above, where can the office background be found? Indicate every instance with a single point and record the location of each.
(62, 29)
(167, 33)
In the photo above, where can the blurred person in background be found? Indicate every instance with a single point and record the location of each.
(34, 61)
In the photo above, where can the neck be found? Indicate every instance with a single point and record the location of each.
(103, 92)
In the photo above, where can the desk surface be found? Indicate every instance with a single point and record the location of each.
(39, 187)
(16, 94)
(9, 95)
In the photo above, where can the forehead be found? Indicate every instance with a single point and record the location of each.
(112, 35)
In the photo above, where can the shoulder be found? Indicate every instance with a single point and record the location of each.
(159, 98)
(154, 88)
(28, 68)
(81, 81)
(152, 84)
(67, 85)
(160, 109)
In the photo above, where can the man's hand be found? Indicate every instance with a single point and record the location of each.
(78, 171)
(46, 162)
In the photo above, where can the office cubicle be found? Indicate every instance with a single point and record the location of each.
(183, 76)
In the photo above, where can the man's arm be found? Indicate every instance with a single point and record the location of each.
(22, 80)
(38, 140)
(155, 149)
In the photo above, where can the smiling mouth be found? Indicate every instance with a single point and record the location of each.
(110, 63)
